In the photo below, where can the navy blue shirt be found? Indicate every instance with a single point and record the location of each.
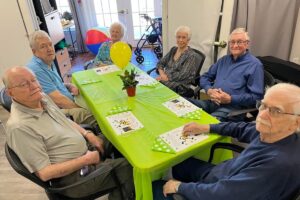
(242, 78)
(263, 171)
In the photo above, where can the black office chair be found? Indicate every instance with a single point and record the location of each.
(56, 193)
(5, 100)
(189, 90)
(297, 197)
(269, 81)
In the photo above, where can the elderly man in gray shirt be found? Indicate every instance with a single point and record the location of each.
(52, 146)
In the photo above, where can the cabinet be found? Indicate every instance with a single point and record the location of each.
(49, 21)
(54, 27)
(64, 63)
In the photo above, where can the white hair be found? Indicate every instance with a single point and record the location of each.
(35, 36)
(6, 77)
(240, 30)
(184, 29)
(118, 25)
(291, 92)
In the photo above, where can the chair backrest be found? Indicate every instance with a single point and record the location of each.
(5, 100)
(200, 58)
(18, 166)
(269, 80)
(56, 192)
(297, 197)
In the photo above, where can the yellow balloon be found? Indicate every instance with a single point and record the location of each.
(120, 54)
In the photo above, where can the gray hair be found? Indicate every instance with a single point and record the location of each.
(118, 25)
(184, 29)
(292, 92)
(240, 30)
(6, 77)
(35, 36)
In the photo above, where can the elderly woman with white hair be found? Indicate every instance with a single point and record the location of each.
(179, 66)
(116, 31)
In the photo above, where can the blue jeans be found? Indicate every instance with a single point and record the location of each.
(217, 111)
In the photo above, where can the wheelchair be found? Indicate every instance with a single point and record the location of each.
(152, 36)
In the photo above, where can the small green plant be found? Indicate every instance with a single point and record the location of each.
(128, 79)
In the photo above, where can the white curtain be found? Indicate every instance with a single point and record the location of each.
(270, 23)
(85, 18)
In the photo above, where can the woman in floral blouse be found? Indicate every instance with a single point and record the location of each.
(116, 31)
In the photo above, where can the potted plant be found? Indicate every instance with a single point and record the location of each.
(129, 82)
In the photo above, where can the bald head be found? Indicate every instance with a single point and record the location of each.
(12, 73)
(23, 87)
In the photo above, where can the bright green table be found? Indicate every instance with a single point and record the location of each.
(147, 107)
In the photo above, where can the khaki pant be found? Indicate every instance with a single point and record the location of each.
(81, 116)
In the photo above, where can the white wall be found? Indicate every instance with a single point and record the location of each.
(14, 48)
(202, 16)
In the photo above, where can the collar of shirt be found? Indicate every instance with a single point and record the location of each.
(42, 64)
(34, 112)
(241, 57)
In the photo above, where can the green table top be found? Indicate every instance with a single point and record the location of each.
(105, 92)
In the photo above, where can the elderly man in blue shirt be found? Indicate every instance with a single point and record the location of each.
(267, 169)
(63, 94)
(234, 82)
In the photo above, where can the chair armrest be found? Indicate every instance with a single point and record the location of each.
(92, 175)
(88, 127)
(87, 64)
(221, 145)
(151, 70)
(178, 197)
(242, 111)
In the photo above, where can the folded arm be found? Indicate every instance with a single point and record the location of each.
(65, 168)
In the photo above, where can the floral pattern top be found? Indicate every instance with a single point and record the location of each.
(103, 55)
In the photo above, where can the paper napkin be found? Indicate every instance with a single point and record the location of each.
(193, 115)
(161, 146)
(85, 82)
(118, 109)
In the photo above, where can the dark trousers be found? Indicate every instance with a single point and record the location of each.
(190, 170)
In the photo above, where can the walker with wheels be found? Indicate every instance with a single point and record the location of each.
(152, 37)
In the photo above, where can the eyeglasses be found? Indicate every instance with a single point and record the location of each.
(273, 111)
(25, 84)
(239, 42)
